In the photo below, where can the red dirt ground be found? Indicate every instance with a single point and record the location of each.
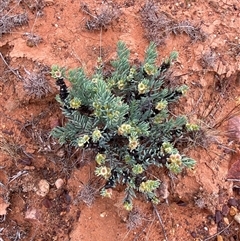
(202, 204)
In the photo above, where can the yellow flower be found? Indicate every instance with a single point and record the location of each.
(124, 129)
(137, 169)
(121, 84)
(150, 69)
(96, 135)
(192, 127)
(149, 186)
(175, 159)
(75, 103)
(167, 147)
(142, 88)
(83, 140)
(128, 205)
(161, 105)
(106, 192)
(100, 158)
(133, 143)
(103, 171)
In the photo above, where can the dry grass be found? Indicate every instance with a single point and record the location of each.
(88, 193)
(102, 20)
(8, 20)
(208, 59)
(36, 84)
(134, 219)
(159, 25)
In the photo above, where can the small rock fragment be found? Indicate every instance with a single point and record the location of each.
(225, 210)
(234, 128)
(233, 211)
(225, 219)
(232, 202)
(43, 188)
(3, 206)
(219, 238)
(59, 183)
(32, 214)
(213, 230)
(103, 214)
(47, 203)
(218, 216)
(237, 217)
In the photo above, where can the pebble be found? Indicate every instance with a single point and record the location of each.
(43, 188)
(218, 216)
(103, 214)
(233, 211)
(226, 220)
(237, 218)
(219, 238)
(232, 202)
(32, 214)
(225, 210)
(213, 230)
(59, 183)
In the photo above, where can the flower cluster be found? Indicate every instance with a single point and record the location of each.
(106, 192)
(175, 163)
(124, 129)
(143, 87)
(167, 147)
(137, 169)
(161, 105)
(150, 69)
(149, 186)
(192, 127)
(75, 103)
(103, 171)
(133, 143)
(100, 158)
(96, 135)
(128, 205)
(83, 140)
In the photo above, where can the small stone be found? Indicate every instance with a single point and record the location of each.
(103, 214)
(226, 220)
(218, 216)
(59, 183)
(32, 214)
(3, 206)
(225, 210)
(43, 188)
(233, 211)
(213, 230)
(232, 202)
(219, 238)
(237, 217)
(193, 234)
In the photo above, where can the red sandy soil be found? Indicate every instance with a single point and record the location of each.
(199, 204)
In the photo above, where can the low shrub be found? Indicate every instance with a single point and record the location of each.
(124, 116)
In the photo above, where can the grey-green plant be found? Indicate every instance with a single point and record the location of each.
(124, 115)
